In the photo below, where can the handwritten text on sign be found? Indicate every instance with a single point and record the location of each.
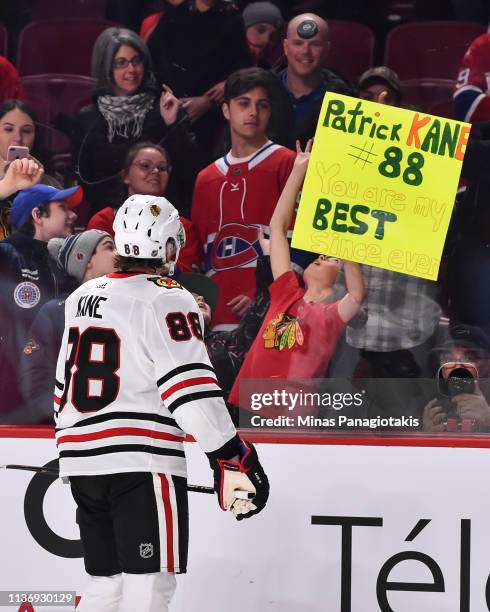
(380, 185)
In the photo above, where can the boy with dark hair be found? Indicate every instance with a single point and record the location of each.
(245, 80)
(28, 277)
(237, 194)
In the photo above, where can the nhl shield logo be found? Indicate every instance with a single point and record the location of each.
(146, 551)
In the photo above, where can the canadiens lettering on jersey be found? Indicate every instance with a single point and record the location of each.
(88, 305)
(165, 282)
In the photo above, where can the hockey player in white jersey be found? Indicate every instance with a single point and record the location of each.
(132, 378)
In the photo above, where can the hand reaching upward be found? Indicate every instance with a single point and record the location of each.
(302, 157)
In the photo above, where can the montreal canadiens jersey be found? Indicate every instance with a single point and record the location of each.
(231, 200)
(471, 101)
(133, 377)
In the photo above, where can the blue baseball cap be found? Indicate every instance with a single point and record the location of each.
(28, 199)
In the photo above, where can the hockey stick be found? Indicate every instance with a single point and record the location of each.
(54, 472)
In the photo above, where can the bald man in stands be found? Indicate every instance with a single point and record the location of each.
(305, 78)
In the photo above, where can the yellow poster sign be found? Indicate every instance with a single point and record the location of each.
(380, 185)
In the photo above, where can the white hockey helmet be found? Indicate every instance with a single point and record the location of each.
(148, 227)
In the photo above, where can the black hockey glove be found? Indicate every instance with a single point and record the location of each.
(233, 479)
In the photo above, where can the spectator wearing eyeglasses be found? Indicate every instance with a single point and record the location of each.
(127, 108)
(147, 170)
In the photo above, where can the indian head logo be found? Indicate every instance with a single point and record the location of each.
(235, 244)
(283, 331)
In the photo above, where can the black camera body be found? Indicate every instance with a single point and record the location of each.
(455, 379)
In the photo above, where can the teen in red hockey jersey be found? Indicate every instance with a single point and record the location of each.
(238, 193)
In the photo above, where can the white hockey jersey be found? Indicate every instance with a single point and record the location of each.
(132, 376)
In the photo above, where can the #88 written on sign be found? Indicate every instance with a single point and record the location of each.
(380, 185)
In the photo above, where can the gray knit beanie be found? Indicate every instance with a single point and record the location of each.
(262, 12)
(72, 254)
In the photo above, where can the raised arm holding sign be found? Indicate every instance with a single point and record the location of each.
(321, 274)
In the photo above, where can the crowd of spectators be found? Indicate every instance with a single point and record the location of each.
(212, 104)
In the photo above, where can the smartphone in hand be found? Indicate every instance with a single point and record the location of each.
(14, 152)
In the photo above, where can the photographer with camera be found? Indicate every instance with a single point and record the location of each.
(463, 402)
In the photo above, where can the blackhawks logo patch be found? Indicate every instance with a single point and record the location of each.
(165, 281)
(283, 331)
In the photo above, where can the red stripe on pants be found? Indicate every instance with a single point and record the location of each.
(169, 522)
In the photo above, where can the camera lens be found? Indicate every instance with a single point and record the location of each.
(460, 381)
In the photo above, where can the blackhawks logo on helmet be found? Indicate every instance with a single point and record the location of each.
(165, 281)
(283, 331)
(155, 210)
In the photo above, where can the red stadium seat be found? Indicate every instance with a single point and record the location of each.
(429, 49)
(58, 46)
(4, 39)
(351, 48)
(58, 9)
(424, 93)
(51, 94)
(443, 108)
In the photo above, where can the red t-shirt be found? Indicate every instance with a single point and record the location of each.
(297, 338)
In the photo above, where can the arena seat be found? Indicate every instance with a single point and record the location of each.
(351, 48)
(58, 9)
(58, 46)
(51, 94)
(429, 49)
(424, 93)
(443, 108)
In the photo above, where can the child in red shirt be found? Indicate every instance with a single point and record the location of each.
(301, 328)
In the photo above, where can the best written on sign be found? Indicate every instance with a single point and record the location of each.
(380, 185)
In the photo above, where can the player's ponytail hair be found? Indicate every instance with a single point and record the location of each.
(126, 264)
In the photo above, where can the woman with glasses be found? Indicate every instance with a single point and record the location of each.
(147, 171)
(128, 107)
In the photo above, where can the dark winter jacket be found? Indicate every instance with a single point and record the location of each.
(98, 162)
(297, 118)
(38, 360)
(28, 279)
(192, 51)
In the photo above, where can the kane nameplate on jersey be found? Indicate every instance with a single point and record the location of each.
(88, 306)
